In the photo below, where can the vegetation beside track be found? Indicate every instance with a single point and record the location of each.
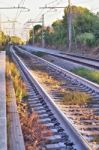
(88, 74)
(19, 86)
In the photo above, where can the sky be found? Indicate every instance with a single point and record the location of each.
(35, 13)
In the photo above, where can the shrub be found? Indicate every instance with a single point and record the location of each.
(86, 39)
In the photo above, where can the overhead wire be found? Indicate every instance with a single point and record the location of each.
(21, 3)
(55, 2)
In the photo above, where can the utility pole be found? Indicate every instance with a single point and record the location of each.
(69, 19)
(0, 23)
(13, 27)
(69, 25)
(43, 38)
(26, 31)
(33, 35)
(13, 24)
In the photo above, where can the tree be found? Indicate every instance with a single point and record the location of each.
(37, 28)
(2, 38)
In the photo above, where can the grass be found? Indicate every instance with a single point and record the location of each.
(75, 98)
(47, 79)
(34, 131)
(88, 74)
(19, 86)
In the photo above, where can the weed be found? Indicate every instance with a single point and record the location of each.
(75, 98)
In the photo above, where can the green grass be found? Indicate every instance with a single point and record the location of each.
(88, 74)
(39, 54)
(75, 98)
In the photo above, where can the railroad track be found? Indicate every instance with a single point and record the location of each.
(50, 115)
(89, 62)
(87, 84)
(87, 123)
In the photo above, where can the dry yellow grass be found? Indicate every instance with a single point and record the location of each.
(19, 85)
(75, 98)
(47, 79)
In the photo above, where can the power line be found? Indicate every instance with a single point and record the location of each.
(50, 7)
(14, 8)
(21, 4)
(21, 1)
(41, 21)
(69, 17)
(51, 2)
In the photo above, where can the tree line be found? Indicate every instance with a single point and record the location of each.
(85, 30)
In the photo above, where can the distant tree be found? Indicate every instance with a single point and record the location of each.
(37, 28)
(16, 40)
(2, 38)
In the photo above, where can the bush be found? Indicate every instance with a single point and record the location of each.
(86, 38)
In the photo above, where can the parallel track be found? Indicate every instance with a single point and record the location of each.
(79, 60)
(89, 62)
(87, 58)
